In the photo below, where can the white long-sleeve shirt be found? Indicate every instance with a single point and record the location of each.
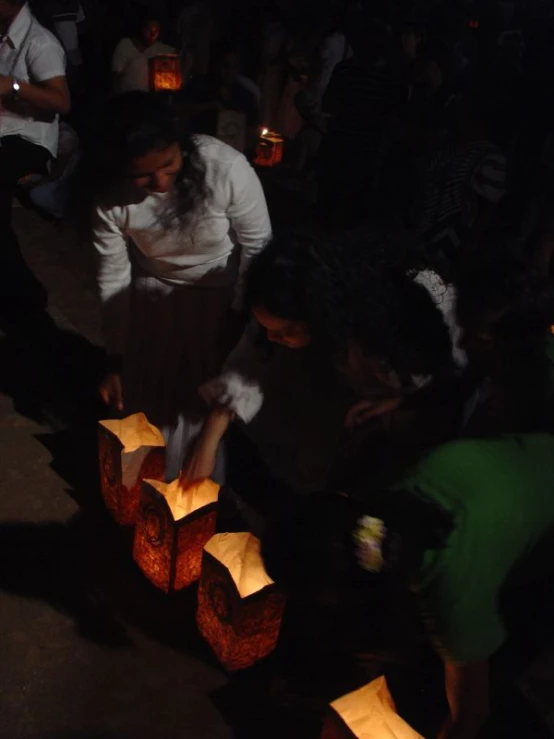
(227, 231)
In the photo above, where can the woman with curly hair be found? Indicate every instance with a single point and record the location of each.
(177, 221)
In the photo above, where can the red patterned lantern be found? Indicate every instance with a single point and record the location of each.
(269, 151)
(173, 526)
(129, 450)
(165, 73)
(239, 606)
(367, 713)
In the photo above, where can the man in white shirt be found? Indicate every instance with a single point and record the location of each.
(33, 91)
(131, 55)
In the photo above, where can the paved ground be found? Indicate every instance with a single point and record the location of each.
(88, 650)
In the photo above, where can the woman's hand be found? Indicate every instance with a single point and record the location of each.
(365, 410)
(200, 465)
(467, 690)
(111, 392)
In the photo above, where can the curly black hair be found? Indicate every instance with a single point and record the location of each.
(132, 125)
(363, 292)
(279, 277)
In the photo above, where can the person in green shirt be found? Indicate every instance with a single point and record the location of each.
(456, 529)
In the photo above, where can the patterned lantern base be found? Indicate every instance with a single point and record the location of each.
(128, 451)
(239, 607)
(172, 528)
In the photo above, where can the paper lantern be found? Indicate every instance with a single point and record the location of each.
(172, 528)
(128, 450)
(269, 151)
(368, 713)
(165, 73)
(239, 606)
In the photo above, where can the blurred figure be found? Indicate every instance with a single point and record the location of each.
(50, 194)
(130, 58)
(33, 91)
(364, 93)
(225, 88)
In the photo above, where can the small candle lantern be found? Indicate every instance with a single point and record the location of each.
(173, 526)
(368, 712)
(128, 450)
(239, 606)
(269, 151)
(165, 73)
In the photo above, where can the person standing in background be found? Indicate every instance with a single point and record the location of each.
(131, 55)
(33, 92)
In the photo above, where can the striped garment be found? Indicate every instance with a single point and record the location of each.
(449, 176)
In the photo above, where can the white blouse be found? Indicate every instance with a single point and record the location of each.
(216, 248)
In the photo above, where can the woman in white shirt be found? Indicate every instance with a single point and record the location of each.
(131, 55)
(178, 221)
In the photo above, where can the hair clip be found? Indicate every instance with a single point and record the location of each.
(369, 537)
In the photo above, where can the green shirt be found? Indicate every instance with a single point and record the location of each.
(501, 495)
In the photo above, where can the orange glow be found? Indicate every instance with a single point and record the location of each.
(128, 451)
(368, 712)
(165, 73)
(269, 151)
(239, 607)
(172, 528)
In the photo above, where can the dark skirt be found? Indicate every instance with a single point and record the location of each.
(175, 343)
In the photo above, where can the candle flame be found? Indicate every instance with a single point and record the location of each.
(265, 131)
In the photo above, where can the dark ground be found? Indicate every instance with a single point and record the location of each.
(89, 650)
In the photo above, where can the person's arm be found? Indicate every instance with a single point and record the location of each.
(236, 393)
(48, 93)
(200, 464)
(467, 691)
(249, 217)
(114, 282)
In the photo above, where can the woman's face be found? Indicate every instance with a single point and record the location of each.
(292, 334)
(156, 171)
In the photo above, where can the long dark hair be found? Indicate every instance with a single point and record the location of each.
(132, 125)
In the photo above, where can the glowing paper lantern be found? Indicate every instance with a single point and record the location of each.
(269, 151)
(172, 528)
(128, 451)
(368, 713)
(165, 73)
(239, 606)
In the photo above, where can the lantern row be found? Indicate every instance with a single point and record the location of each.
(240, 608)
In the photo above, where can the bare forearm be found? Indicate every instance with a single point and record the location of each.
(216, 425)
(467, 690)
(45, 99)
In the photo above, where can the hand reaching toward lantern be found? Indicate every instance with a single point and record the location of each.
(111, 391)
(364, 410)
(200, 465)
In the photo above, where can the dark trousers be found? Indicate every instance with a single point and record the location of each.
(21, 294)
